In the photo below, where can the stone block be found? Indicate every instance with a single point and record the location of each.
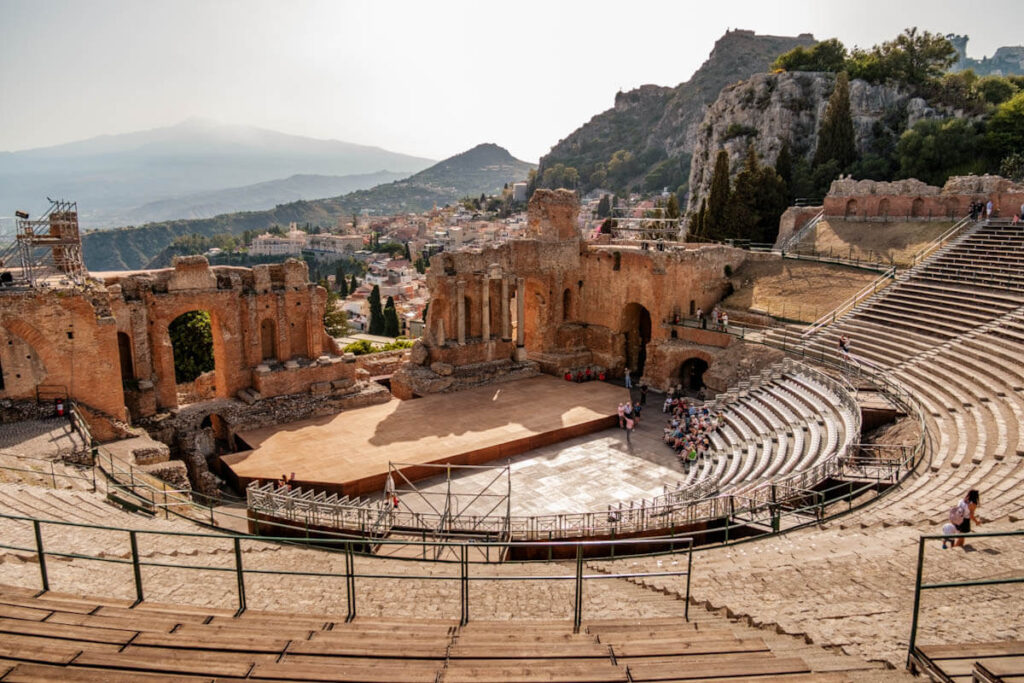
(320, 388)
(442, 369)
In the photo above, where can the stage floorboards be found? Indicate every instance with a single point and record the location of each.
(349, 452)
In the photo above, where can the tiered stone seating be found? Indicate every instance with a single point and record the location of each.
(953, 337)
(72, 637)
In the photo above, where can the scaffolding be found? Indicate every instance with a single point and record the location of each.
(46, 250)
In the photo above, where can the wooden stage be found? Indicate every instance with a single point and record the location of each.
(349, 452)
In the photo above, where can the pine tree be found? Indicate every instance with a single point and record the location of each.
(784, 167)
(835, 137)
(335, 319)
(741, 213)
(672, 208)
(718, 199)
(376, 314)
(391, 326)
(604, 207)
(353, 285)
(408, 254)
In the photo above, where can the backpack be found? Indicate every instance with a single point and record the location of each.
(956, 514)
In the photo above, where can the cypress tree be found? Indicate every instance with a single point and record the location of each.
(391, 326)
(342, 284)
(784, 167)
(718, 198)
(835, 137)
(376, 314)
(353, 284)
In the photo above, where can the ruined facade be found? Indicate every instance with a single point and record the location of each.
(553, 303)
(107, 344)
(913, 200)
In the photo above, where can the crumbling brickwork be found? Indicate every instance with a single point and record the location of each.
(912, 199)
(556, 302)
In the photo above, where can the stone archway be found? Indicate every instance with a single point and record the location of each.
(851, 208)
(691, 374)
(883, 207)
(917, 207)
(163, 351)
(635, 327)
(124, 352)
(268, 339)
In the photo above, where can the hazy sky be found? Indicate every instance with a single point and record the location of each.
(431, 78)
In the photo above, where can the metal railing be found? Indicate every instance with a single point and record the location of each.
(932, 246)
(797, 236)
(667, 514)
(919, 586)
(842, 309)
(351, 550)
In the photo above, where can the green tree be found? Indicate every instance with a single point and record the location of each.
(376, 312)
(1005, 134)
(912, 58)
(828, 55)
(408, 254)
(835, 137)
(672, 207)
(335, 319)
(784, 167)
(935, 149)
(718, 199)
(604, 207)
(353, 284)
(192, 343)
(391, 326)
(342, 283)
(1012, 167)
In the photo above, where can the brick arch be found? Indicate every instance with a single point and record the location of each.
(41, 347)
(163, 352)
(677, 377)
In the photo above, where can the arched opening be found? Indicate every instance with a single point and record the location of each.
(124, 353)
(883, 207)
(636, 328)
(693, 307)
(567, 304)
(917, 207)
(191, 336)
(297, 338)
(851, 208)
(473, 327)
(952, 207)
(691, 374)
(513, 314)
(268, 339)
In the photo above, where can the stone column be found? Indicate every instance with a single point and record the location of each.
(506, 324)
(485, 306)
(520, 311)
(460, 298)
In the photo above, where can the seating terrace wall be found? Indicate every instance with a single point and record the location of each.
(554, 300)
(912, 199)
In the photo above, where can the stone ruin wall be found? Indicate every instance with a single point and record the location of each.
(274, 362)
(577, 304)
(913, 200)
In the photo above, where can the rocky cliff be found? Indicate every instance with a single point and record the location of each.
(769, 109)
(658, 126)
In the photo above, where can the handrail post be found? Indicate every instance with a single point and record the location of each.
(239, 575)
(577, 616)
(136, 568)
(689, 570)
(350, 581)
(41, 555)
(917, 601)
(464, 583)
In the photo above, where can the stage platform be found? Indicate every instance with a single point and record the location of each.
(349, 452)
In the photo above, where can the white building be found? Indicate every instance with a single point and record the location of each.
(278, 245)
(334, 244)
(519, 192)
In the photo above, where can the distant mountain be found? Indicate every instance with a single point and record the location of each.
(256, 197)
(656, 127)
(111, 175)
(483, 169)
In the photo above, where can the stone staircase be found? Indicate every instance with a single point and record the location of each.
(953, 337)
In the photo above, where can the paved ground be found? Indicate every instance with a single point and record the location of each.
(580, 475)
(41, 438)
